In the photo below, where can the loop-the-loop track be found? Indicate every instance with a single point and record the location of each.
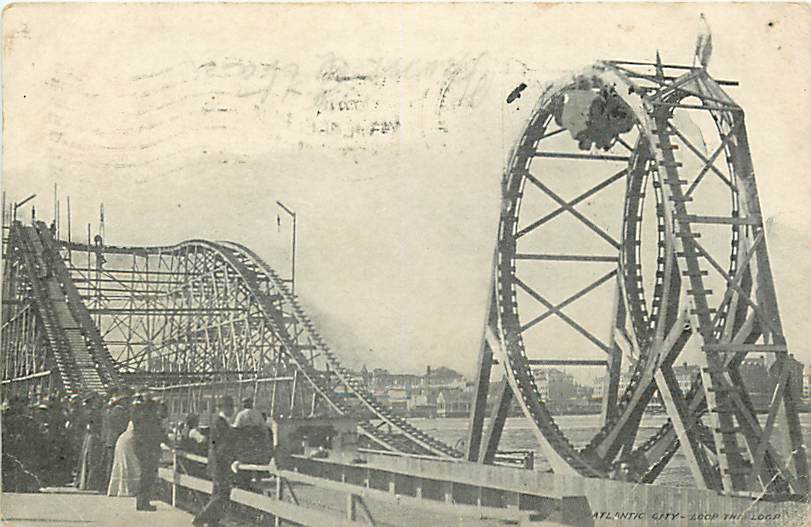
(647, 127)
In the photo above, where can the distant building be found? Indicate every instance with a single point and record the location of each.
(598, 388)
(415, 395)
(397, 400)
(796, 377)
(755, 374)
(382, 378)
(542, 383)
(452, 403)
(685, 375)
(599, 384)
(422, 404)
(442, 377)
(560, 390)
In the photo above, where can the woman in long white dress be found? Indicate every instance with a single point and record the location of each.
(126, 472)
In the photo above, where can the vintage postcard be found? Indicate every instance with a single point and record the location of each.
(405, 264)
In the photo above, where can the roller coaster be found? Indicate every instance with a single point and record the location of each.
(195, 311)
(194, 317)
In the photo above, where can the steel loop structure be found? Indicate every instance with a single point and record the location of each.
(668, 148)
(191, 320)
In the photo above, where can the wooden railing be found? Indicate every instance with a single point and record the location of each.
(368, 486)
(276, 504)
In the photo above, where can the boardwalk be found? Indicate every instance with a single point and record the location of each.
(68, 507)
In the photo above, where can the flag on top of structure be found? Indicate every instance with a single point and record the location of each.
(703, 43)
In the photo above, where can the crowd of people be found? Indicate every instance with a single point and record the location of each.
(112, 445)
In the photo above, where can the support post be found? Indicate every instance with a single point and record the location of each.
(69, 239)
(685, 427)
(175, 477)
(482, 382)
(277, 520)
(608, 410)
(351, 510)
(498, 417)
(293, 249)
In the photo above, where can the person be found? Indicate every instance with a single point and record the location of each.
(251, 433)
(74, 430)
(248, 416)
(17, 432)
(126, 472)
(58, 445)
(271, 443)
(90, 473)
(113, 423)
(192, 440)
(46, 271)
(45, 444)
(220, 457)
(149, 435)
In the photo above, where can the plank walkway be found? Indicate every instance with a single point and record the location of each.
(69, 507)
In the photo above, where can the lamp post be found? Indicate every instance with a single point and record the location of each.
(293, 250)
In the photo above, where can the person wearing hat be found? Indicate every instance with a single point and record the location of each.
(252, 439)
(148, 436)
(220, 457)
(74, 430)
(126, 472)
(113, 423)
(18, 431)
(89, 476)
(43, 443)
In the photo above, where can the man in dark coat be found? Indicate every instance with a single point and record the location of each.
(18, 433)
(220, 457)
(74, 430)
(148, 435)
(60, 462)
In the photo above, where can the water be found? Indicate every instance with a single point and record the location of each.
(518, 435)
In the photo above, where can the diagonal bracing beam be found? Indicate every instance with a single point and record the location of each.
(580, 329)
(570, 204)
(587, 222)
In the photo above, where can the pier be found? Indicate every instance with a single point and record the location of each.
(198, 320)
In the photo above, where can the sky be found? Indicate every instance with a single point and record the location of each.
(385, 127)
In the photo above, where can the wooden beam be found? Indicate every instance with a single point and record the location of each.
(592, 286)
(567, 362)
(771, 418)
(747, 348)
(580, 329)
(684, 425)
(569, 204)
(498, 417)
(566, 257)
(591, 157)
(722, 220)
(583, 219)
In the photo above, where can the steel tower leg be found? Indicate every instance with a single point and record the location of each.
(498, 417)
(608, 411)
(482, 383)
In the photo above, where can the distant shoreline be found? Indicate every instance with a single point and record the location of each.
(590, 412)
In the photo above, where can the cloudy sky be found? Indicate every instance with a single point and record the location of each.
(384, 127)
